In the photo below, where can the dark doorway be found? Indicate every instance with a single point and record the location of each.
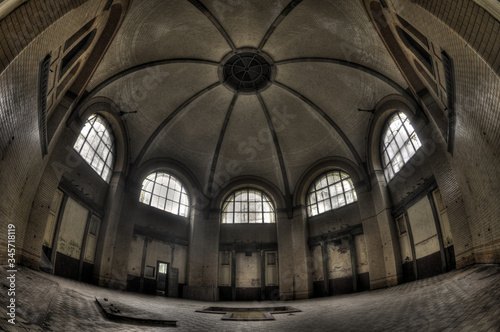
(161, 278)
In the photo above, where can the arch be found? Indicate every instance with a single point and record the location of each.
(111, 112)
(176, 169)
(248, 206)
(383, 110)
(330, 191)
(398, 143)
(324, 165)
(96, 145)
(261, 184)
(165, 192)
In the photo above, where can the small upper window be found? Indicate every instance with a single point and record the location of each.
(164, 192)
(399, 143)
(248, 206)
(329, 192)
(96, 145)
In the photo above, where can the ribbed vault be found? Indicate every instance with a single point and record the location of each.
(328, 64)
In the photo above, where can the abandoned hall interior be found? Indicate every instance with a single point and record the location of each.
(250, 150)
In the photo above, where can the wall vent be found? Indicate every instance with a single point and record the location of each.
(43, 82)
(449, 74)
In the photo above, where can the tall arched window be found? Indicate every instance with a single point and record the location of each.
(330, 191)
(399, 143)
(96, 145)
(165, 192)
(248, 206)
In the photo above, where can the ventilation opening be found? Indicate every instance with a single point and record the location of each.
(427, 77)
(43, 81)
(76, 52)
(78, 34)
(422, 55)
(449, 74)
(67, 79)
(414, 31)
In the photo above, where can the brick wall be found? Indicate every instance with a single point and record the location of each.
(28, 21)
(475, 161)
(21, 162)
(479, 29)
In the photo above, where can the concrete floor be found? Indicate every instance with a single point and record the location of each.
(462, 300)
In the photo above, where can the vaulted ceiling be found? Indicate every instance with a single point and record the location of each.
(327, 62)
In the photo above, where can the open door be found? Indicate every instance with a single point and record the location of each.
(161, 278)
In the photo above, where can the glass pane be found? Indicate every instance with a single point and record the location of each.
(105, 173)
(267, 207)
(333, 190)
(349, 197)
(161, 203)
(335, 202)
(146, 198)
(336, 177)
(154, 201)
(85, 129)
(177, 196)
(328, 205)
(175, 208)
(169, 207)
(267, 218)
(321, 207)
(400, 139)
(79, 142)
(415, 141)
(160, 190)
(323, 194)
(171, 194)
(148, 185)
(405, 153)
(347, 185)
(237, 218)
(312, 198)
(341, 200)
(330, 178)
(183, 211)
(174, 184)
(254, 196)
(185, 201)
(252, 217)
(241, 196)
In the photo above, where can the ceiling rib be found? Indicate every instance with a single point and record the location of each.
(168, 119)
(291, 5)
(219, 145)
(288, 196)
(132, 70)
(201, 7)
(325, 116)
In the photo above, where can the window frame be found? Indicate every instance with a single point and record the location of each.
(314, 189)
(231, 199)
(409, 141)
(179, 202)
(110, 150)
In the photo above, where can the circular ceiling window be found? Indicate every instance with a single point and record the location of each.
(246, 71)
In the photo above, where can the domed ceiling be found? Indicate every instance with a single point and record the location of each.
(262, 88)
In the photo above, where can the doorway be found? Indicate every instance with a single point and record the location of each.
(161, 278)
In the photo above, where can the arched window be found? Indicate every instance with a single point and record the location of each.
(330, 191)
(399, 143)
(164, 192)
(248, 206)
(96, 145)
